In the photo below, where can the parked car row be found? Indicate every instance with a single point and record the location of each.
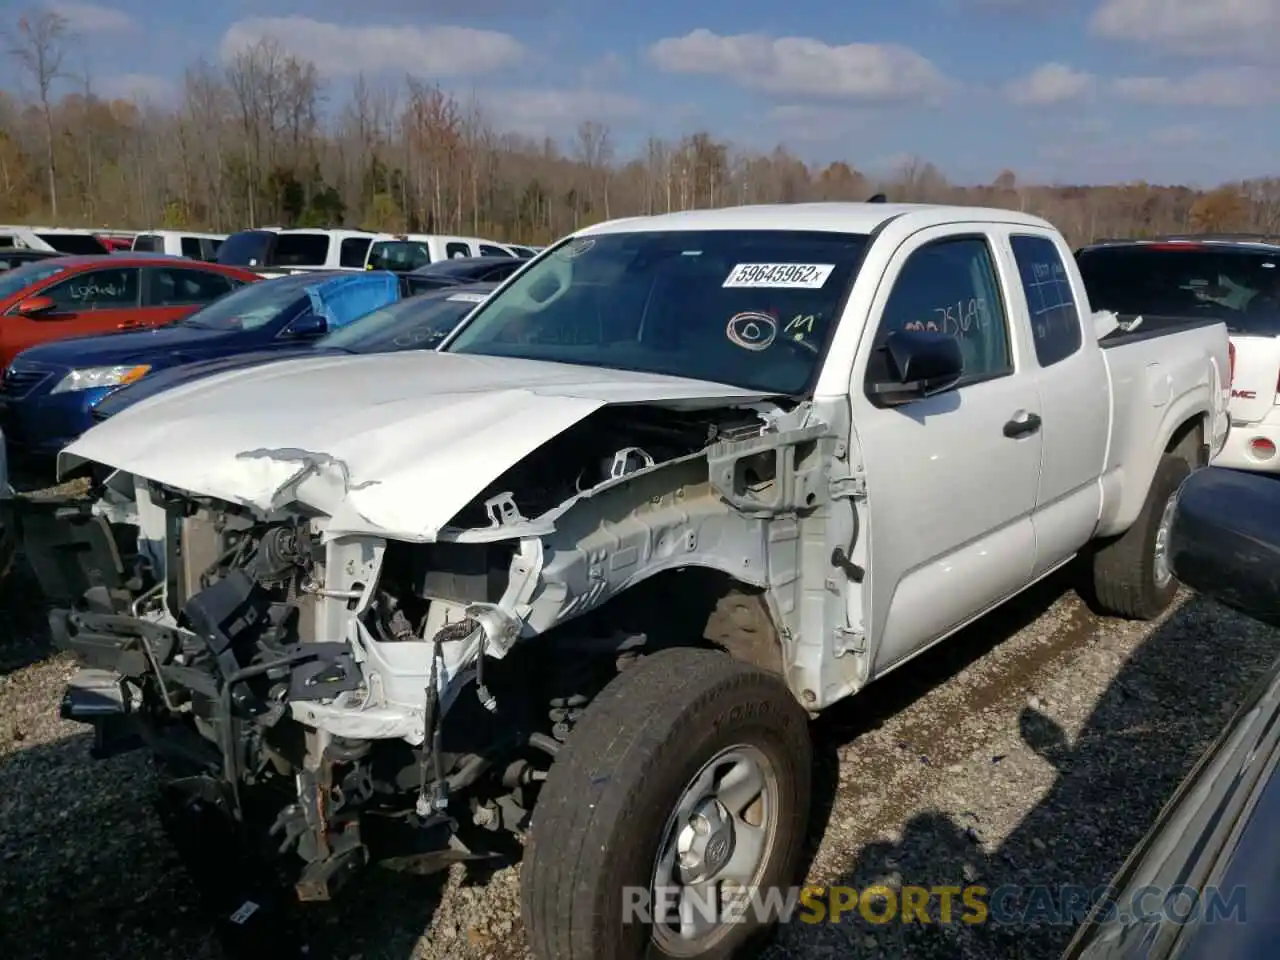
(270, 250)
(155, 315)
(573, 557)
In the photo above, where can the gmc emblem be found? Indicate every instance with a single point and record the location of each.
(1244, 394)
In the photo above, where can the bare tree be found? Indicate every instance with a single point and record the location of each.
(595, 153)
(38, 47)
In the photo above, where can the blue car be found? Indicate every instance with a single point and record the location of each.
(416, 323)
(49, 392)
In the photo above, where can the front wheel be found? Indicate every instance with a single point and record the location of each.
(679, 801)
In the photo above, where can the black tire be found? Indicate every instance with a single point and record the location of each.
(1124, 575)
(599, 818)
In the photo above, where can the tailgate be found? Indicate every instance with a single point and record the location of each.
(1257, 371)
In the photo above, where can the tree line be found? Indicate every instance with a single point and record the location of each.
(264, 140)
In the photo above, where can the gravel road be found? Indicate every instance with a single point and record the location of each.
(1036, 746)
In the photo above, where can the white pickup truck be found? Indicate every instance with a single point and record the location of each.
(584, 575)
(1235, 281)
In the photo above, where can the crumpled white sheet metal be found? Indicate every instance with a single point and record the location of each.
(386, 444)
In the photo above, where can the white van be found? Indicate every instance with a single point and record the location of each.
(402, 252)
(297, 250)
(53, 239)
(180, 243)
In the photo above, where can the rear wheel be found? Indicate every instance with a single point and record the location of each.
(1131, 574)
(685, 782)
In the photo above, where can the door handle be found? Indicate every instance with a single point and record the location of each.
(1023, 426)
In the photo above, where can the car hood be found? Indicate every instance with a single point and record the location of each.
(392, 444)
(157, 345)
(163, 380)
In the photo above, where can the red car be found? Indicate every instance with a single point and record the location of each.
(84, 296)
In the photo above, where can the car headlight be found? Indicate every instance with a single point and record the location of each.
(90, 378)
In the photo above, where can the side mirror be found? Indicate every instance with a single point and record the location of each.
(1224, 539)
(917, 364)
(308, 325)
(35, 306)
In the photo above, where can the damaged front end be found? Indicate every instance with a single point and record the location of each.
(338, 698)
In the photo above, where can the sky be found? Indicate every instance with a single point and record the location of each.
(1077, 91)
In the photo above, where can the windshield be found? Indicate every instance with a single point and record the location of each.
(11, 281)
(251, 306)
(398, 255)
(77, 243)
(419, 323)
(248, 248)
(1240, 287)
(753, 309)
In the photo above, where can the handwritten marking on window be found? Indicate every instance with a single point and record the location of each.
(95, 291)
(963, 318)
(751, 330)
(800, 326)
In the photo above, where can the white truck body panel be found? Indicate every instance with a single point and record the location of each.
(370, 428)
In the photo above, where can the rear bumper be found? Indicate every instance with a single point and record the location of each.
(1246, 446)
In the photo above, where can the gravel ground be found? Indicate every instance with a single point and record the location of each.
(1036, 746)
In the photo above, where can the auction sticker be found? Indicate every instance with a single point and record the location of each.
(469, 297)
(802, 276)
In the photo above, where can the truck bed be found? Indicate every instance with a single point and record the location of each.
(1152, 327)
(1160, 374)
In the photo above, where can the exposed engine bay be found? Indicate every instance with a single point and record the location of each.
(347, 698)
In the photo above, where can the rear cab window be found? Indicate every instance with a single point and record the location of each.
(190, 247)
(353, 251)
(1237, 285)
(399, 256)
(148, 243)
(457, 248)
(1055, 318)
(301, 250)
(750, 308)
